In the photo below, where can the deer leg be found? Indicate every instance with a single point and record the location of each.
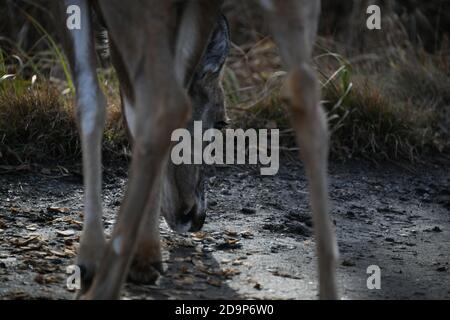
(152, 143)
(193, 33)
(146, 265)
(90, 110)
(294, 25)
(196, 24)
(161, 107)
(154, 127)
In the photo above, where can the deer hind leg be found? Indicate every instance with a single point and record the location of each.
(90, 109)
(294, 25)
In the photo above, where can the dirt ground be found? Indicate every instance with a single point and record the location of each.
(257, 241)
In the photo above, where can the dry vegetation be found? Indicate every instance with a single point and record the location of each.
(387, 93)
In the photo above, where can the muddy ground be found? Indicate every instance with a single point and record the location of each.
(257, 241)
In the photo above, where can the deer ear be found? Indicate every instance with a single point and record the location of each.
(217, 50)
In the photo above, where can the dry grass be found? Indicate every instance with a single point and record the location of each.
(37, 125)
(379, 107)
(389, 102)
(397, 113)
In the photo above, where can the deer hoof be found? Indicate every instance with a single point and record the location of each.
(144, 271)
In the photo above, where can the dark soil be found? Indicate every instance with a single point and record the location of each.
(257, 241)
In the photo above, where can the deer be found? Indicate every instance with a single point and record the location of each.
(159, 50)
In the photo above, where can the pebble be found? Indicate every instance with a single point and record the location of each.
(247, 210)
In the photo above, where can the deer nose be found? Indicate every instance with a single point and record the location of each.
(194, 217)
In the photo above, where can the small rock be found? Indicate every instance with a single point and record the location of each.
(247, 234)
(212, 203)
(247, 210)
(348, 263)
(257, 286)
(350, 214)
(228, 246)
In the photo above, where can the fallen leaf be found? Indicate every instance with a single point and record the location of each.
(184, 269)
(76, 222)
(58, 210)
(198, 263)
(214, 282)
(247, 234)
(65, 233)
(231, 233)
(186, 280)
(57, 253)
(283, 274)
(27, 241)
(69, 252)
(46, 279)
(232, 241)
(230, 272)
(198, 236)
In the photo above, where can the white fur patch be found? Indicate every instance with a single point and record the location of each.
(86, 80)
(117, 245)
(130, 116)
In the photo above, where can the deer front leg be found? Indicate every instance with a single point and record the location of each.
(147, 266)
(294, 25)
(90, 111)
(142, 39)
(197, 22)
(149, 157)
